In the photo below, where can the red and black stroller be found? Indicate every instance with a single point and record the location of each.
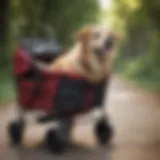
(61, 96)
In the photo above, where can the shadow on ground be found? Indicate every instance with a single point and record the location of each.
(74, 152)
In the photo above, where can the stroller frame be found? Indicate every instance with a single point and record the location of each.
(60, 95)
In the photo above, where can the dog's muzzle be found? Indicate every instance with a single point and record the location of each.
(108, 45)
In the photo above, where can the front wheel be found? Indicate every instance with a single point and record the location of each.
(54, 142)
(103, 131)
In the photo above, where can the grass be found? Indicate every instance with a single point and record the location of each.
(144, 75)
(7, 92)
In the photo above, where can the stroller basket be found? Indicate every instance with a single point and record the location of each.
(60, 95)
(52, 92)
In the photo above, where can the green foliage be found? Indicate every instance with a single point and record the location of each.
(7, 92)
(138, 53)
(69, 16)
(146, 76)
(63, 16)
(152, 9)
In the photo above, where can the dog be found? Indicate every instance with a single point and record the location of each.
(92, 54)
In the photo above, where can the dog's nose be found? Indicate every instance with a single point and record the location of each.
(109, 43)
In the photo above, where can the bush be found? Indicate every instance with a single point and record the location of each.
(142, 72)
(7, 92)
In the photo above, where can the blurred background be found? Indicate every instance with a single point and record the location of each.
(137, 20)
(135, 107)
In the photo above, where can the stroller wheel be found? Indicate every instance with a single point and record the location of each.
(15, 131)
(103, 132)
(54, 142)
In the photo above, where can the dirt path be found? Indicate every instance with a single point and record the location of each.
(134, 114)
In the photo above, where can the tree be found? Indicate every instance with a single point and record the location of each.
(62, 16)
(4, 31)
(138, 57)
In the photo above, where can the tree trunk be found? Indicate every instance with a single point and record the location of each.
(4, 33)
(4, 6)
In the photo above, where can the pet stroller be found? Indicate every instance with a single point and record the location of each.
(61, 96)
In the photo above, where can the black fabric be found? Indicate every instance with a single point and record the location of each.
(41, 45)
(71, 95)
(44, 49)
(99, 93)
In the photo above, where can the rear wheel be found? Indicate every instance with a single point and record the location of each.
(15, 131)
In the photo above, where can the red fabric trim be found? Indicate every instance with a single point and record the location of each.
(45, 98)
(22, 61)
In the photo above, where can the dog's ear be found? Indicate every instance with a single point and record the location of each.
(83, 34)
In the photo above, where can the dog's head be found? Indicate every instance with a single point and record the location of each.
(97, 40)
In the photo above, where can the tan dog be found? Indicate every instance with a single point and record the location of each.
(91, 56)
